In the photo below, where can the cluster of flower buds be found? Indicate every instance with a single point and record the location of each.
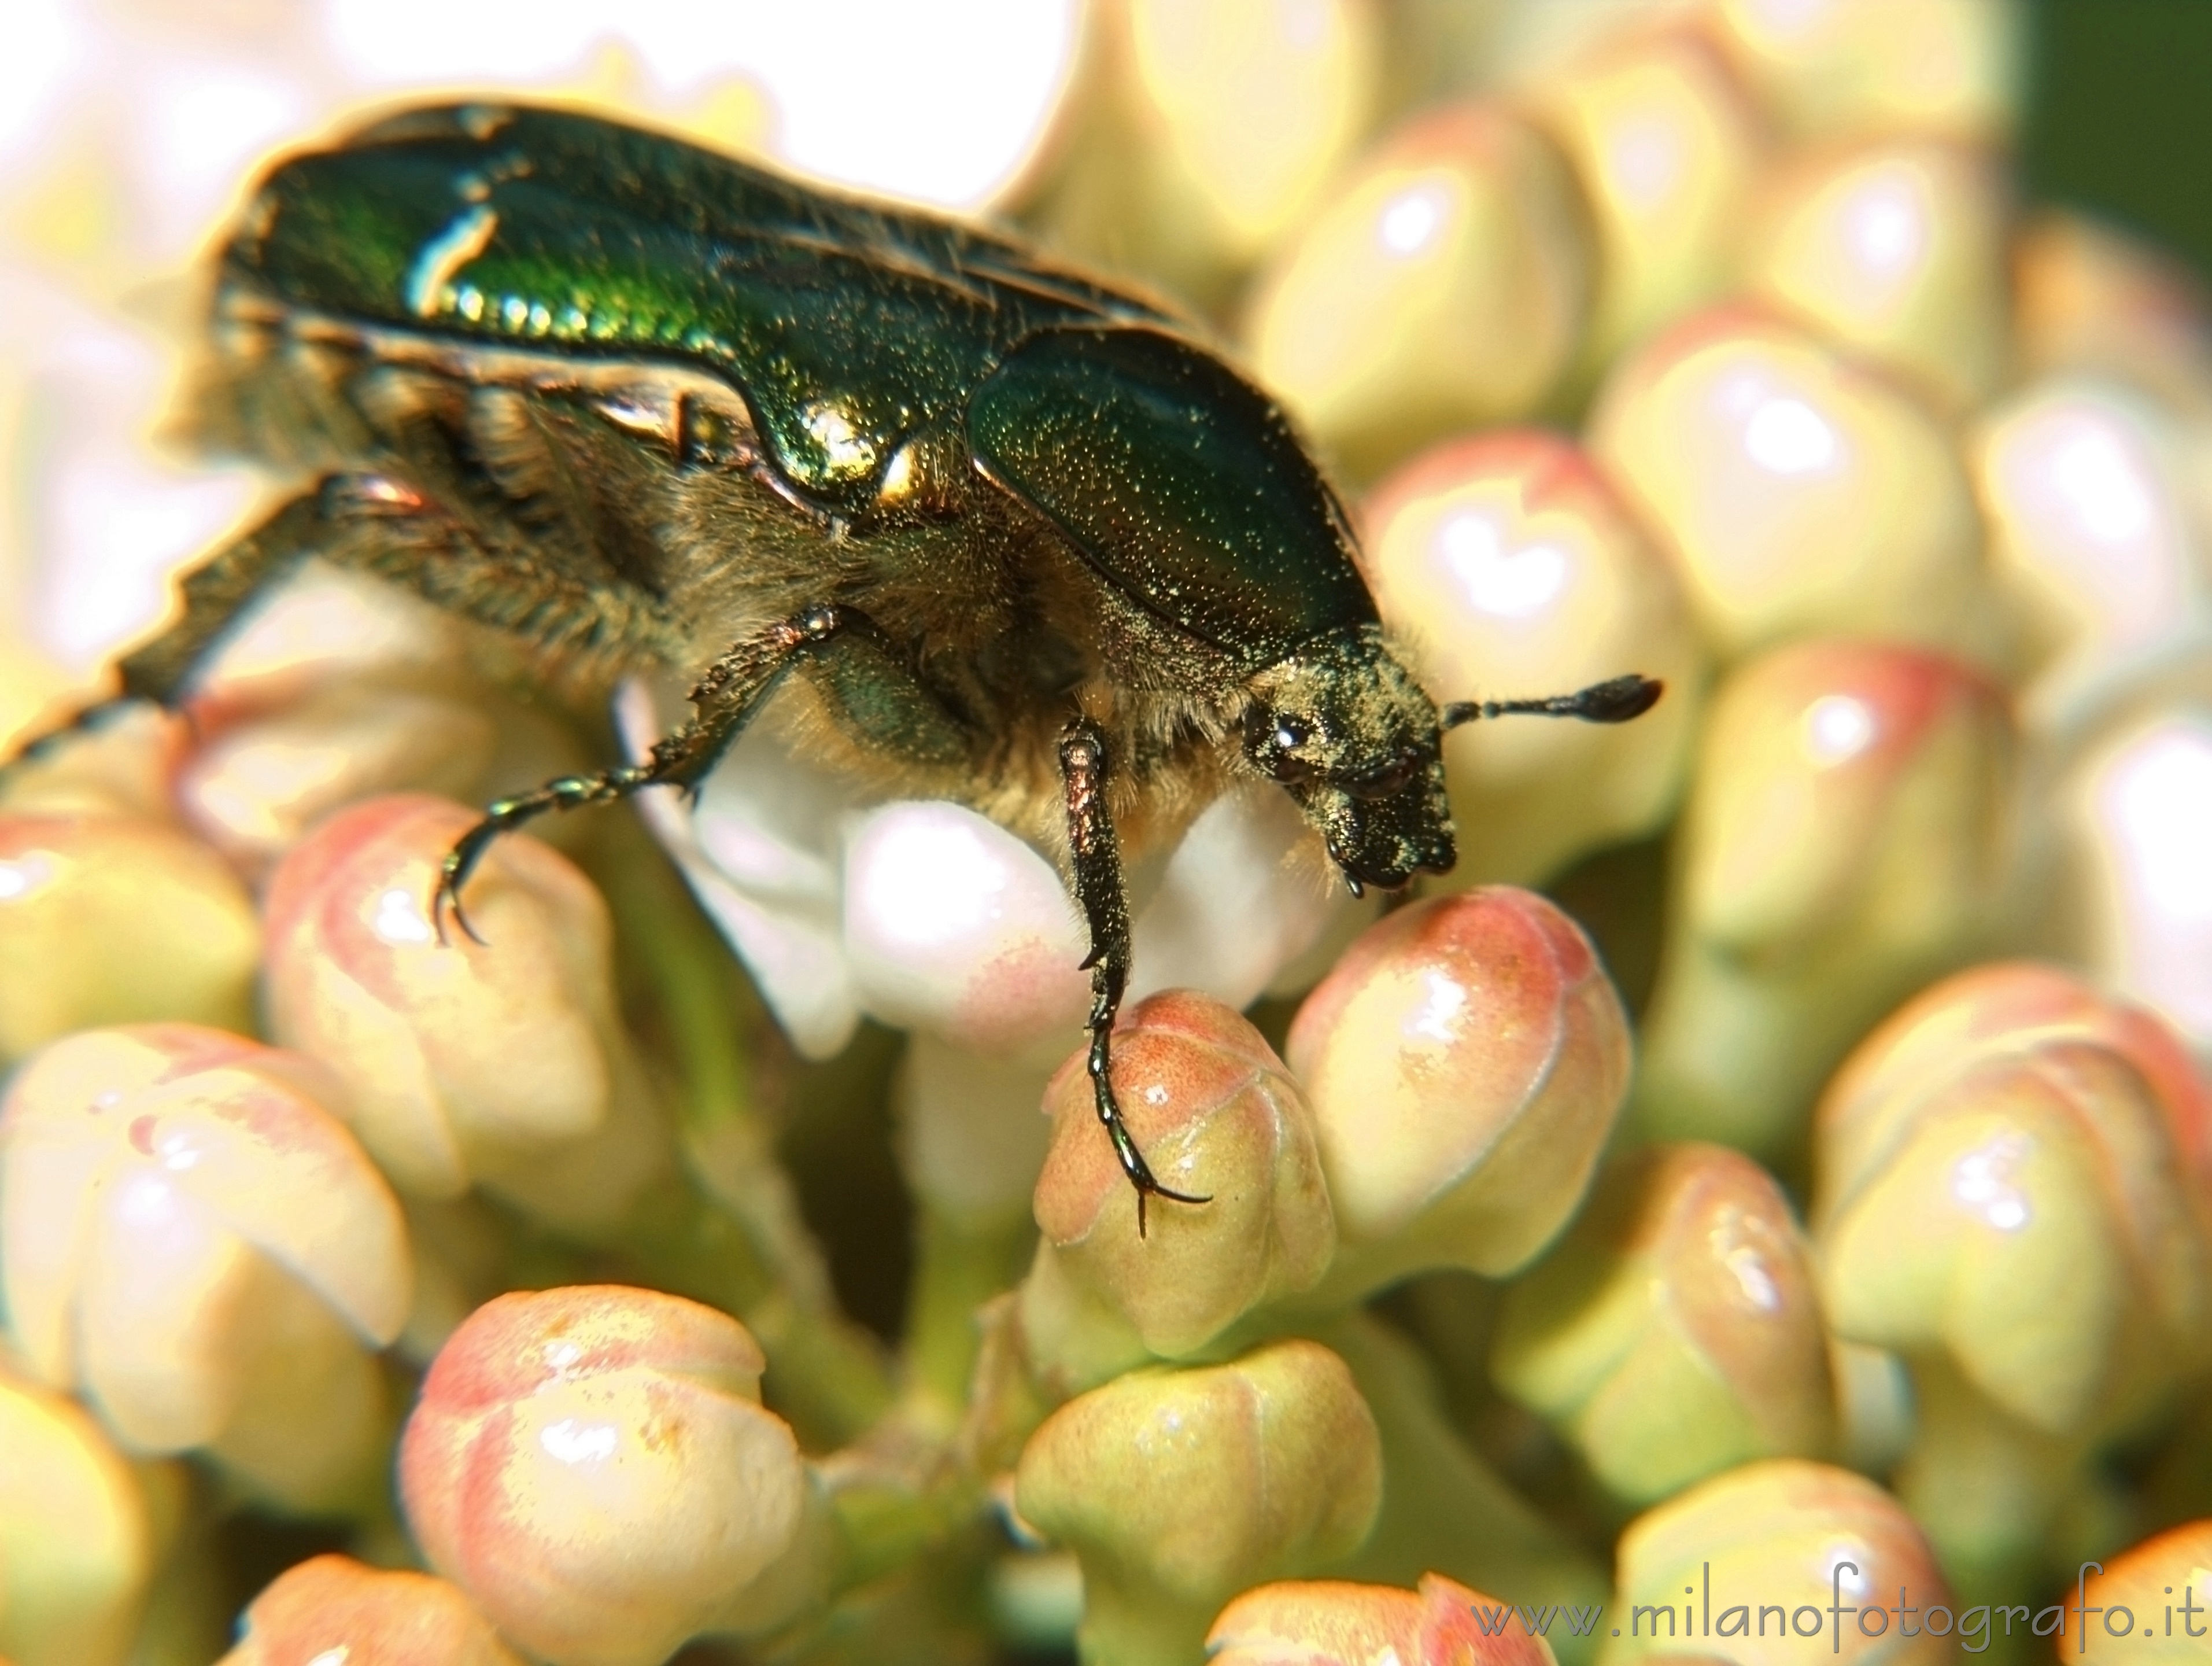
(1476, 1321)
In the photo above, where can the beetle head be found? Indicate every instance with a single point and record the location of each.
(1350, 735)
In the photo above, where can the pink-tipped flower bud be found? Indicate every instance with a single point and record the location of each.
(1465, 1062)
(2006, 1007)
(334, 1609)
(2150, 1605)
(1676, 1331)
(1512, 568)
(501, 1061)
(593, 1467)
(1783, 1563)
(2028, 1219)
(1801, 494)
(1894, 247)
(1178, 1488)
(1443, 285)
(2090, 299)
(76, 1544)
(192, 1240)
(105, 920)
(1334, 1623)
(1218, 1117)
(1848, 836)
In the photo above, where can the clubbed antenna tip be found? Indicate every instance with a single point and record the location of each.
(1615, 701)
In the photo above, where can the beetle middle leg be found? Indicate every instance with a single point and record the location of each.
(1097, 856)
(725, 701)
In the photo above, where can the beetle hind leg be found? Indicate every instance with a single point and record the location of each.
(1096, 857)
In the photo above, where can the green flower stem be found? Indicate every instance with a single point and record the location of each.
(729, 1230)
(963, 1259)
(1443, 1509)
(1986, 1487)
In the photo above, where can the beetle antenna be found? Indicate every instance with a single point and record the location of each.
(1615, 701)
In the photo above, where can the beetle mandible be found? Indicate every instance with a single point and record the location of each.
(1032, 545)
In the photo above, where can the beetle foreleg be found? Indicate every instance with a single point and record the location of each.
(1097, 861)
(725, 701)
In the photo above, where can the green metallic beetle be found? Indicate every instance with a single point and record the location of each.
(1034, 546)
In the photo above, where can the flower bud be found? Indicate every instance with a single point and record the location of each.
(2130, 806)
(256, 784)
(2151, 1602)
(1442, 285)
(1676, 1331)
(1844, 67)
(2089, 299)
(1177, 1488)
(592, 1467)
(1666, 147)
(189, 1238)
(76, 1546)
(1846, 836)
(1894, 247)
(502, 1060)
(1799, 493)
(1512, 569)
(1210, 131)
(957, 926)
(1788, 1535)
(2007, 1007)
(1333, 1622)
(1465, 1062)
(105, 920)
(1217, 1116)
(333, 1609)
(2083, 487)
(2028, 1219)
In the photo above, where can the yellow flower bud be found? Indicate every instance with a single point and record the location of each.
(1666, 149)
(1799, 493)
(1442, 284)
(105, 920)
(189, 1237)
(1847, 835)
(1782, 1563)
(1841, 67)
(1677, 1330)
(76, 1547)
(333, 1609)
(1894, 247)
(1177, 1488)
